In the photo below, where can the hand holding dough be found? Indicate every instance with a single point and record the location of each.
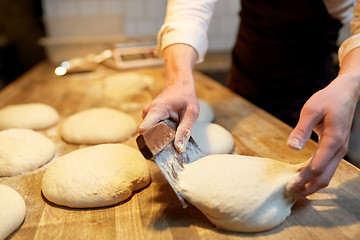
(239, 193)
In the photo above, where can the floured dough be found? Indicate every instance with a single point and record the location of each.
(22, 150)
(206, 113)
(239, 193)
(212, 138)
(98, 125)
(12, 209)
(95, 176)
(128, 91)
(122, 85)
(30, 115)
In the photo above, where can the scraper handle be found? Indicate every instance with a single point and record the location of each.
(155, 139)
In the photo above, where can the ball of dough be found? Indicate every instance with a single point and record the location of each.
(95, 176)
(12, 209)
(98, 125)
(22, 150)
(30, 115)
(212, 138)
(239, 193)
(206, 113)
(122, 85)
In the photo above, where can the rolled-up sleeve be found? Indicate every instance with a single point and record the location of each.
(186, 21)
(353, 41)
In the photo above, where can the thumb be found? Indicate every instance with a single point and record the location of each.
(302, 132)
(183, 132)
(182, 136)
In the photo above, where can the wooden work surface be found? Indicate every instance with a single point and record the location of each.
(155, 212)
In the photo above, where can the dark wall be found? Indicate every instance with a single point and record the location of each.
(20, 29)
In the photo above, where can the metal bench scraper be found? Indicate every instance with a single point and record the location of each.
(158, 143)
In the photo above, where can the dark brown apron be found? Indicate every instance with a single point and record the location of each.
(284, 54)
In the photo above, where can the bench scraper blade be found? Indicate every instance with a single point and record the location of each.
(158, 143)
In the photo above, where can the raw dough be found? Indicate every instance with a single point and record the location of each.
(30, 115)
(212, 138)
(98, 125)
(22, 150)
(95, 176)
(128, 91)
(206, 113)
(12, 209)
(122, 85)
(239, 193)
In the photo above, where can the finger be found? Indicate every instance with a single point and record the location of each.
(184, 129)
(302, 165)
(145, 110)
(302, 132)
(182, 135)
(307, 174)
(181, 138)
(326, 157)
(154, 116)
(330, 152)
(322, 181)
(332, 147)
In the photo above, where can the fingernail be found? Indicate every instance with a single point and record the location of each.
(188, 134)
(295, 143)
(180, 146)
(141, 128)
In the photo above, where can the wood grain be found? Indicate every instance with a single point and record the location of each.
(155, 212)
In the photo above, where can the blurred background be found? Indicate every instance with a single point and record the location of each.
(20, 30)
(34, 30)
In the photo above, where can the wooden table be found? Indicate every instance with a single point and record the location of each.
(155, 212)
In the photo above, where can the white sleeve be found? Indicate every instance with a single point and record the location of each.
(186, 21)
(353, 41)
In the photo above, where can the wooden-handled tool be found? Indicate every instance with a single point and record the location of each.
(158, 143)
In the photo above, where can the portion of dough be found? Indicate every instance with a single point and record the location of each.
(12, 209)
(239, 193)
(122, 85)
(206, 113)
(30, 115)
(96, 176)
(212, 138)
(22, 150)
(127, 91)
(98, 125)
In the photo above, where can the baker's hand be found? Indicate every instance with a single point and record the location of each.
(178, 100)
(176, 103)
(329, 113)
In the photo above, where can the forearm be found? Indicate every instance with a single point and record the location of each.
(350, 70)
(179, 63)
(351, 63)
(354, 41)
(178, 100)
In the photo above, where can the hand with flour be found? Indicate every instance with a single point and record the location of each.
(329, 113)
(178, 100)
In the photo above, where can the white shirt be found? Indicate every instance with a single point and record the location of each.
(187, 21)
